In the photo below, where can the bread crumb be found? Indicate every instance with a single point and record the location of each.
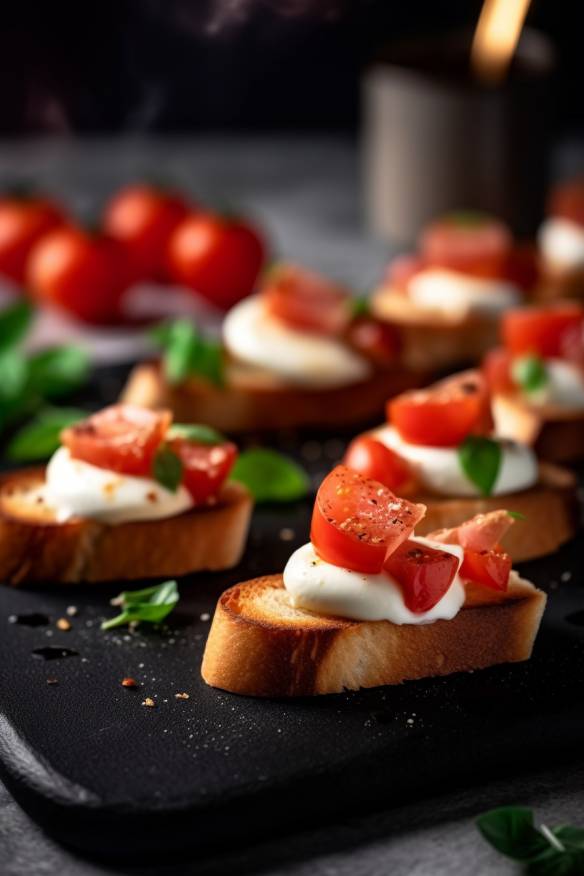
(63, 624)
(72, 610)
(181, 696)
(149, 702)
(52, 681)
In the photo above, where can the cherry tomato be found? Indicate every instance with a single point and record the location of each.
(488, 568)
(402, 269)
(305, 300)
(357, 521)
(375, 461)
(540, 330)
(567, 201)
(377, 340)
(497, 370)
(143, 218)
(466, 241)
(79, 272)
(217, 257)
(23, 221)
(122, 438)
(444, 414)
(423, 573)
(205, 467)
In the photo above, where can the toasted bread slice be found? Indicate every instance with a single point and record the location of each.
(259, 645)
(555, 433)
(254, 400)
(35, 547)
(433, 339)
(557, 282)
(550, 508)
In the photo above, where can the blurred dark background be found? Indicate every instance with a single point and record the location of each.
(189, 65)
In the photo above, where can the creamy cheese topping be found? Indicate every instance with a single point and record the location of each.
(564, 387)
(452, 291)
(255, 337)
(326, 589)
(77, 489)
(562, 243)
(438, 468)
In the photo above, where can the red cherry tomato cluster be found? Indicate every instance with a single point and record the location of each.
(146, 233)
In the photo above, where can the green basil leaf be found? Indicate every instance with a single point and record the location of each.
(58, 370)
(14, 323)
(187, 352)
(516, 515)
(570, 837)
(196, 432)
(530, 373)
(269, 476)
(360, 306)
(510, 830)
(480, 459)
(40, 438)
(150, 605)
(555, 863)
(13, 374)
(167, 468)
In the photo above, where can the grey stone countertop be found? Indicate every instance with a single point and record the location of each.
(307, 193)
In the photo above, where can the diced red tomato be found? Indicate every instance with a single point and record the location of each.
(490, 568)
(467, 241)
(540, 330)
(483, 532)
(357, 522)
(567, 201)
(402, 269)
(121, 438)
(374, 460)
(497, 370)
(377, 340)
(423, 573)
(572, 345)
(444, 414)
(205, 467)
(305, 300)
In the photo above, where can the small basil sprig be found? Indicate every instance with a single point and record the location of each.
(41, 437)
(480, 459)
(530, 373)
(270, 476)
(150, 605)
(196, 432)
(187, 352)
(167, 468)
(544, 851)
(360, 306)
(15, 321)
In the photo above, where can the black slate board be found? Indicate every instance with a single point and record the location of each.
(107, 775)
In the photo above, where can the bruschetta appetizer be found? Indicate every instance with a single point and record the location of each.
(438, 447)
(447, 298)
(537, 380)
(128, 495)
(296, 354)
(561, 244)
(367, 602)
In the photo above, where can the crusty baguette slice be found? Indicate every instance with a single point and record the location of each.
(35, 548)
(434, 339)
(259, 645)
(558, 283)
(253, 400)
(550, 508)
(556, 434)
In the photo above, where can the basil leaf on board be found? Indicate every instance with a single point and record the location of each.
(197, 432)
(40, 438)
(14, 323)
(270, 476)
(480, 459)
(555, 863)
(530, 373)
(510, 830)
(58, 370)
(150, 605)
(187, 351)
(167, 468)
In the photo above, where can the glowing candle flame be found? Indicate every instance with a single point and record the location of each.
(496, 37)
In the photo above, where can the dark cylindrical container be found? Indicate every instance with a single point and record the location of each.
(435, 140)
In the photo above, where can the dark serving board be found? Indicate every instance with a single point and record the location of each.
(107, 775)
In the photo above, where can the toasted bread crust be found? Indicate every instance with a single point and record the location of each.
(432, 339)
(556, 434)
(255, 651)
(550, 509)
(35, 548)
(557, 283)
(252, 401)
